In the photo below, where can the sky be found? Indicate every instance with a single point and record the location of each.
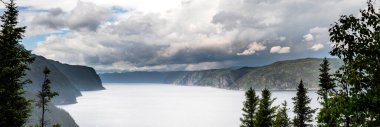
(170, 35)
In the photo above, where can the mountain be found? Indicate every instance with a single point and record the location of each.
(83, 78)
(141, 77)
(279, 75)
(67, 80)
(55, 115)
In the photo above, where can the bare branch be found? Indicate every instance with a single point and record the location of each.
(4, 2)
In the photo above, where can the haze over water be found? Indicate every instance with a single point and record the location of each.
(159, 105)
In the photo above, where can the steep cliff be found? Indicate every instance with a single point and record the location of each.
(67, 80)
(60, 82)
(82, 77)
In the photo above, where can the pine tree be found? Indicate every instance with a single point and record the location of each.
(281, 118)
(327, 116)
(249, 108)
(45, 96)
(265, 114)
(14, 58)
(303, 113)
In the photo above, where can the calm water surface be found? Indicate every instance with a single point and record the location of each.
(159, 105)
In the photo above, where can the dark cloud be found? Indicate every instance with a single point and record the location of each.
(52, 18)
(85, 16)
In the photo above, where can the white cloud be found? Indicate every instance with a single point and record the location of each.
(317, 47)
(308, 37)
(279, 49)
(319, 30)
(252, 49)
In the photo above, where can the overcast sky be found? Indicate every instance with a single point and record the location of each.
(166, 35)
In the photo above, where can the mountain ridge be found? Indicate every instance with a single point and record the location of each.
(67, 80)
(279, 75)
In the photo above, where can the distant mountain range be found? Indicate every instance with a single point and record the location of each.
(67, 80)
(279, 75)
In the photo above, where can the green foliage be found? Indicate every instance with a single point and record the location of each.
(265, 114)
(249, 108)
(14, 58)
(327, 116)
(356, 40)
(286, 74)
(281, 118)
(56, 125)
(303, 112)
(45, 96)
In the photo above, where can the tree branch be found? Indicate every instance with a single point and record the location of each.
(4, 2)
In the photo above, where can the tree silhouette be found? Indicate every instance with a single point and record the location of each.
(281, 118)
(303, 113)
(14, 58)
(249, 108)
(265, 114)
(45, 96)
(327, 116)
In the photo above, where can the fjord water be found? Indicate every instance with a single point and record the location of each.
(162, 105)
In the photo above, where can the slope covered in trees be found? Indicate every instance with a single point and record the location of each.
(67, 80)
(279, 75)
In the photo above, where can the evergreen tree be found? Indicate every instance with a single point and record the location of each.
(14, 58)
(327, 116)
(356, 41)
(249, 108)
(265, 114)
(303, 113)
(281, 118)
(45, 96)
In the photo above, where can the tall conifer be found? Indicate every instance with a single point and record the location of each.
(265, 114)
(327, 116)
(14, 58)
(303, 112)
(45, 96)
(249, 108)
(282, 119)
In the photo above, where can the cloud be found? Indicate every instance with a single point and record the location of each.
(317, 47)
(179, 35)
(308, 37)
(252, 49)
(279, 49)
(85, 16)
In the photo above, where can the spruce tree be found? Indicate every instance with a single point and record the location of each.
(327, 116)
(45, 96)
(281, 118)
(249, 108)
(14, 60)
(303, 113)
(265, 114)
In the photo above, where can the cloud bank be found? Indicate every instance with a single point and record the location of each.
(180, 35)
